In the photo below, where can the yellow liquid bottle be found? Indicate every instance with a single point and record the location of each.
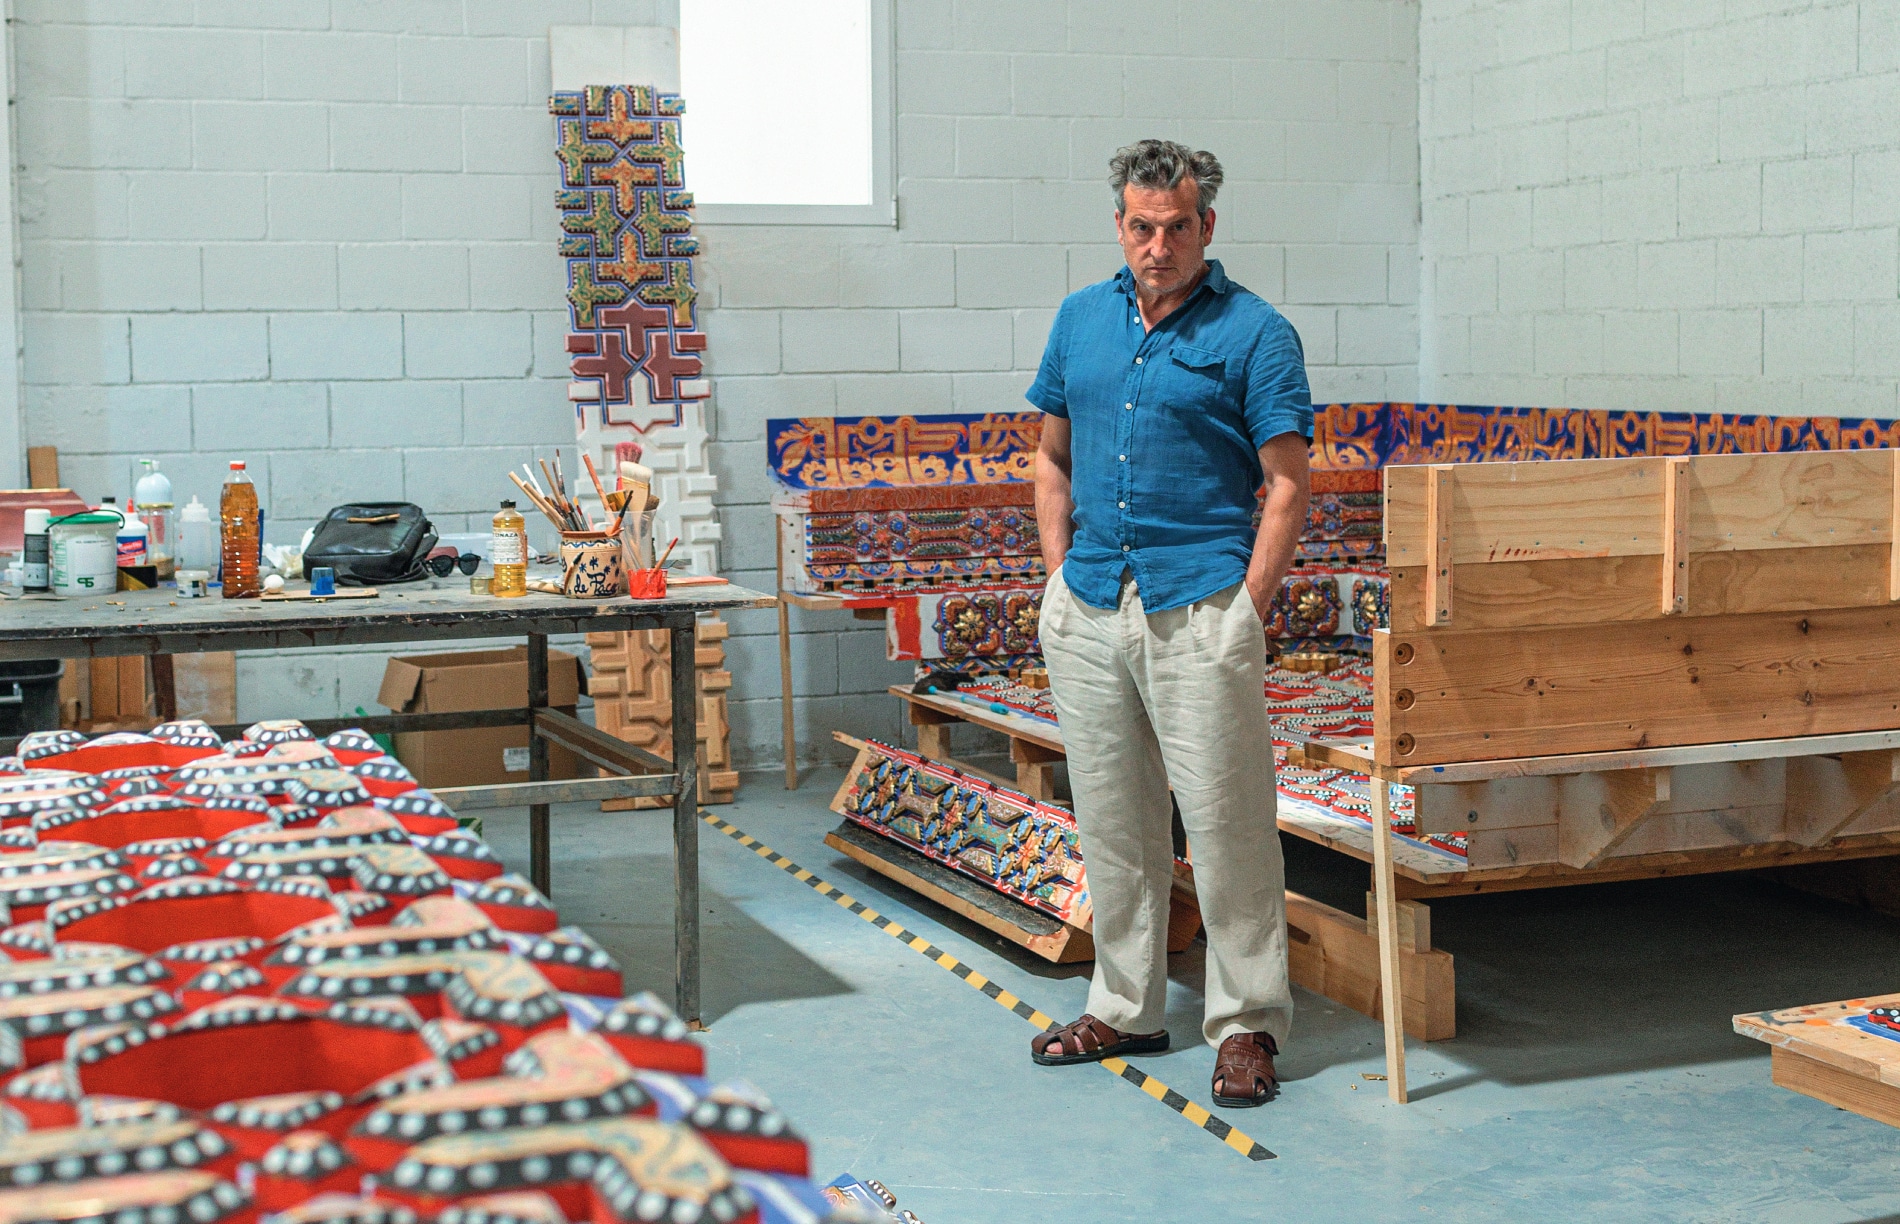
(238, 519)
(508, 552)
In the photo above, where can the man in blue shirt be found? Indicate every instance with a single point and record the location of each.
(1172, 397)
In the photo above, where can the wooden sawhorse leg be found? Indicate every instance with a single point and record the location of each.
(786, 716)
(1035, 769)
(1385, 889)
(785, 692)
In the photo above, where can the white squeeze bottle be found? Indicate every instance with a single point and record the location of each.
(197, 538)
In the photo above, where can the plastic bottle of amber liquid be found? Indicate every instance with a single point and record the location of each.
(238, 523)
(508, 552)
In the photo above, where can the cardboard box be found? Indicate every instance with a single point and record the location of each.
(477, 680)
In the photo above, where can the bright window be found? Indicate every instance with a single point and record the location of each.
(787, 109)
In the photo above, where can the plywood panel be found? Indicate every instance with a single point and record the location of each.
(1588, 590)
(1486, 695)
(1551, 509)
(1530, 511)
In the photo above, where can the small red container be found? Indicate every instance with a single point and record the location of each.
(647, 584)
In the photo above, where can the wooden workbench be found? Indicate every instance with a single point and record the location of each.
(161, 622)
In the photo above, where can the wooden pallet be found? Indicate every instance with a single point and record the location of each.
(633, 700)
(1815, 1054)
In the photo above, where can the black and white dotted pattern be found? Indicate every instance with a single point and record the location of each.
(278, 1113)
(643, 1015)
(630, 1202)
(75, 1154)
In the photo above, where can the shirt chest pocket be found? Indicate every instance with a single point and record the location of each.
(1194, 378)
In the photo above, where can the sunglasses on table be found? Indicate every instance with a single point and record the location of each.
(442, 563)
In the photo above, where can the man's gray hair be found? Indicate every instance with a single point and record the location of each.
(1162, 164)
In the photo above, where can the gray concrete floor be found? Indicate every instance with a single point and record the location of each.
(1594, 1074)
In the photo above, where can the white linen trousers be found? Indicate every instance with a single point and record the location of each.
(1145, 700)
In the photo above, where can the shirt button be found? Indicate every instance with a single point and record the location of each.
(1123, 505)
(1124, 548)
(1130, 407)
(1121, 458)
(1137, 361)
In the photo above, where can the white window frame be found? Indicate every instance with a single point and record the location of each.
(882, 210)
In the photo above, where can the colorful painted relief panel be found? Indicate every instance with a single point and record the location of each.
(274, 978)
(1021, 848)
(1335, 605)
(1345, 520)
(902, 452)
(1006, 532)
(1374, 435)
(634, 340)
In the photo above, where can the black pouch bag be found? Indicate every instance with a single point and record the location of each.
(372, 543)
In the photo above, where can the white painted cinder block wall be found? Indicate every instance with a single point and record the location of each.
(1684, 205)
(1008, 111)
(319, 235)
(313, 234)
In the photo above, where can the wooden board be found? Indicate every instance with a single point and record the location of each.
(1331, 953)
(1816, 1054)
(1356, 755)
(1550, 509)
(1584, 541)
(42, 467)
(1467, 695)
(1809, 1077)
(1588, 590)
(339, 593)
(1016, 726)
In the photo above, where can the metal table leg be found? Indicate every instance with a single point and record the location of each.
(683, 641)
(539, 867)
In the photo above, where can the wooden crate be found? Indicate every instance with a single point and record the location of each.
(633, 700)
(1578, 606)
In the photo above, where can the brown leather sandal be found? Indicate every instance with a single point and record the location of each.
(1089, 1040)
(1246, 1058)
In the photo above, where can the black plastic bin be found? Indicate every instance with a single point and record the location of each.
(29, 696)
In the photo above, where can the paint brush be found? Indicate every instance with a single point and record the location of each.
(661, 563)
(536, 501)
(593, 474)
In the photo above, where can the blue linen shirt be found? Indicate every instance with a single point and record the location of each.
(1166, 428)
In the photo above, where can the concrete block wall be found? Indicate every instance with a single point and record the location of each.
(1007, 113)
(1684, 205)
(319, 234)
(314, 234)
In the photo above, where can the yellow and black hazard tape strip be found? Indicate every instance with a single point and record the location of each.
(1215, 1126)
